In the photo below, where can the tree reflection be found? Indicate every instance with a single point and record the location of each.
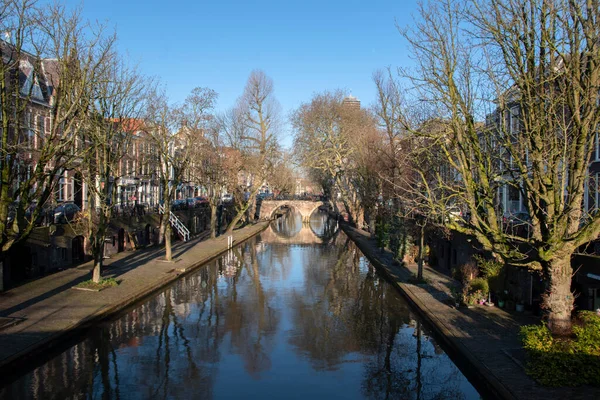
(343, 309)
(251, 320)
(325, 303)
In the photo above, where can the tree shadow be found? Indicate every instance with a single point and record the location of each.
(114, 269)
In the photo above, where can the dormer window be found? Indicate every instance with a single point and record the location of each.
(31, 86)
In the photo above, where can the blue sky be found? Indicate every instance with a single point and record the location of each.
(305, 47)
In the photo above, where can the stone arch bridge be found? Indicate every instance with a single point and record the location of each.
(304, 207)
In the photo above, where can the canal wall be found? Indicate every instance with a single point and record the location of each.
(49, 313)
(483, 341)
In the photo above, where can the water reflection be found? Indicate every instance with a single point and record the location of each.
(289, 229)
(268, 319)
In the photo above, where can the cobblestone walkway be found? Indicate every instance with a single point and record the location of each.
(49, 309)
(485, 339)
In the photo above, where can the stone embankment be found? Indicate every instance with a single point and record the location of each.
(483, 341)
(48, 312)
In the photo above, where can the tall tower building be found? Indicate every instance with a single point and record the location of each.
(351, 102)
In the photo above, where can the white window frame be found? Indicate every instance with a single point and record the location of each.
(597, 147)
(513, 113)
(61, 189)
(30, 137)
(597, 194)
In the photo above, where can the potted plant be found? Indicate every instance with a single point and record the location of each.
(519, 306)
(480, 290)
(494, 273)
(471, 299)
(502, 299)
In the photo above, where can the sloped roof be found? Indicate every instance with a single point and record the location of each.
(33, 78)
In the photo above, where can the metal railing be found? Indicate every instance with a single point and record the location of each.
(176, 223)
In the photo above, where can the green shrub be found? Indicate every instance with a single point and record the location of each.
(382, 232)
(564, 361)
(103, 284)
(493, 271)
(587, 332)
(536, 338)
(480, 285)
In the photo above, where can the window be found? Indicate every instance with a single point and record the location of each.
(595, 187)
(592, 193)
(513, 193)
(29, 135)
(514, 120)
(597, 190)
(596, 150)
(60, 189)
(41, 130)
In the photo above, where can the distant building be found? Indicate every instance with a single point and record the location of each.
(351, 102)
(304, 186)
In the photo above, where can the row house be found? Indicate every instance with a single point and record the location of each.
(136, 179)
(37, 80)
(137, 175)
(586, 279)
(592, 184)
(507, 121)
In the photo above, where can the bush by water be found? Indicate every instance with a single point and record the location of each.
(571, 361)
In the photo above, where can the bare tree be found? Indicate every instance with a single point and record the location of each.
(329, 137)
(252, 127)
(395, 159)
(537, 63)
(49, 66)
(171, 143)
(208, 164)
(113, 120)
(283, 177)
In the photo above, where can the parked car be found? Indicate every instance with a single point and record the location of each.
(66, 212)
(180, 204)
(455, 214)
(227, 198)
(46, 213)
(200, 201)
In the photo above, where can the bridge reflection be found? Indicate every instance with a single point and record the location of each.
(289, 229)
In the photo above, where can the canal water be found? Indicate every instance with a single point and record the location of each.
(294, 313)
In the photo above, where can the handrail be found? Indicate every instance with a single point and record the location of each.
(176, 223)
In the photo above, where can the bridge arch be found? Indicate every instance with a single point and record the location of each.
(304, 207)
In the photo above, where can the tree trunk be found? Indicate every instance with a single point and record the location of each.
(372, 225)
(161, 231)
(421, 252)
(213, 221)
(241, 212)
(559, 300)
(168, 252)
(234, 222)
(98, 250)
(251, 212)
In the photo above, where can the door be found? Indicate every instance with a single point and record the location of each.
(121, 244)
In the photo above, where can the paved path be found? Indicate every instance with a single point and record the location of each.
(484, 338)
(51, 310)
